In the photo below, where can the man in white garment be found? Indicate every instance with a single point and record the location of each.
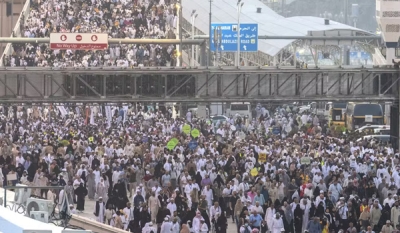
(175, 226)
(188, 188)
(99, 210)
(204, 227)
(148, 228)
(196, 226)
(277, 224)
(189, 116)
(215, 211)
(166, 226)
(128, 211)
(172, 206)
(208, 193)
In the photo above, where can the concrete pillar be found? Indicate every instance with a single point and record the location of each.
(390, 55)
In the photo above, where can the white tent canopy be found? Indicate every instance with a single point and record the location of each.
(269, 22)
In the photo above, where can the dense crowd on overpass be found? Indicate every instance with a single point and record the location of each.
(119, 19)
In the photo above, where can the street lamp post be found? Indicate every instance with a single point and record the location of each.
(239, 9)
(209, 46)
(179, 59)
(193, 18)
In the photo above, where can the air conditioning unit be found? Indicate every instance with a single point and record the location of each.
(22, 195)
(41, 216)
(34, 204)
(76, 231)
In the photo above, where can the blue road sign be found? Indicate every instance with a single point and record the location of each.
(276, 130)
(248, 37)
(193, 144)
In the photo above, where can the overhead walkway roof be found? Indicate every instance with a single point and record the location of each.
(269, 22)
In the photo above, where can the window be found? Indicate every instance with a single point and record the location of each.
(239, 107)
(390, 14)
(368, 109)
(393, 28)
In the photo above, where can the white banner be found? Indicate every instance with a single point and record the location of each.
(125, 113)
(91, 116)
(62, 110)
(108, 115)
(78, 113)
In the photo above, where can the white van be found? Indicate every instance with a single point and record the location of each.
(374, 128)
(239, 108)
(379, 138)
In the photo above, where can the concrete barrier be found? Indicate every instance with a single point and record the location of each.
(89, 224)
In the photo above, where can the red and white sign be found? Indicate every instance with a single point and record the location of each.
(79, 41)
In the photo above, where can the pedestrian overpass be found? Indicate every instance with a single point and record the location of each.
(200, 84)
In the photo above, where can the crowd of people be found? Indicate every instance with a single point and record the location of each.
(151, 171)
(135, 19)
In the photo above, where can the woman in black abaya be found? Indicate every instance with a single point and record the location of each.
(298, 218)
(80, 192)
(222, 224)
(119, 191)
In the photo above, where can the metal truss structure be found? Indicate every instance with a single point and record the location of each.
(195, 85)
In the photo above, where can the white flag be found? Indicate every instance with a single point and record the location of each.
(91, 116)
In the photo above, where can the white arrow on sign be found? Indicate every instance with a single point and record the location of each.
(244, 47)
(222, 47)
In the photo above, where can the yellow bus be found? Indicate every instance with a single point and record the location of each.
(360, 114)
(337, 113)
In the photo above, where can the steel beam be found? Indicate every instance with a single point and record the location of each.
(104, 82)
(192, 71)
(7, 87)
(369, 83)
(306, 86)
(180, 86)
(230, 84)
(356, 85)
(298, 85)
(327, 38)
(337, 81)
(274, 99)
(73, 77)
(33, 86)
(284, 82)
(18, 86)
(88, 86)
(257, 84)
(206, 83)
(60, 86)
(165, 85)
(110, 41)
(391, 86)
